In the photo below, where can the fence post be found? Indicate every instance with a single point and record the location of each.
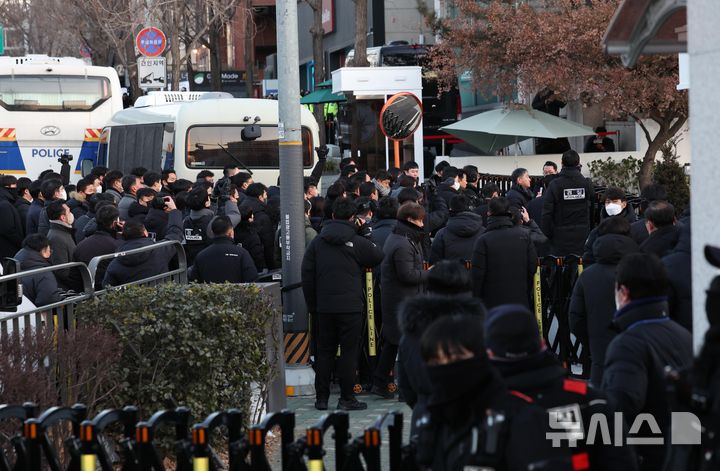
(257, 434)
(340, 422)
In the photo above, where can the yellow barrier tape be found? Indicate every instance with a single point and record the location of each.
(201, 464)
(88, 463)
(372, 342)
(538, 300)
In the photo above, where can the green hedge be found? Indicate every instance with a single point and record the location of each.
(202, 346)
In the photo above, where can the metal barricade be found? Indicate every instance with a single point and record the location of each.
(177, 275)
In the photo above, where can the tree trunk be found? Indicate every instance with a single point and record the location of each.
(319, 60)
(667, 131)
(359, 60)
(131, 65)
(215, 62)
(175, 46)
(249, 55)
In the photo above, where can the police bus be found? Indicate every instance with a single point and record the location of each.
(50, 106)
(190, 132)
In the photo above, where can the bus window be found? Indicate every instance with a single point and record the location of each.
(211, 146)
(168, 147)
(52, 93)
(103, 148)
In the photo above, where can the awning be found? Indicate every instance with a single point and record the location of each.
(647, 27)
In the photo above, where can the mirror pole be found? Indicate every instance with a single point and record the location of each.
(396, 144)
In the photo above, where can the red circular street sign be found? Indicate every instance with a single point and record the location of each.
(151, 42)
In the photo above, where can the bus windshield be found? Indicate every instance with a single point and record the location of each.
(53, 92)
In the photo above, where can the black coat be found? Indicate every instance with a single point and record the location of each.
(634, 378)
(503, 264)
(80, 224)
(11, 226)
(567, 207)
(457, 240)
(482, 210)
(381, 230)
(144, 265)
(678, 264)
(638, 231)
(333, 269)
(100, 243)
(42, 289)
(444, 446)
(447, 192)
(518, 196)
(592, 304)
(403, 275)
(62, 242)
(33, 214)
(662, 241)
(156, 222)
(542, 378)
(23, 207)
(223, 262)
(535, 209)
(248, 238)
(265, 228)
(77, 207)
(588, 255)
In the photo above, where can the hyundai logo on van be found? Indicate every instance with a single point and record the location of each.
(50, 131)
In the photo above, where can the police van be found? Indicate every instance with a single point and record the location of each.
(51, 106)
(191, 132)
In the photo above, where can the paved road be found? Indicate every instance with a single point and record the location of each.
(306, 416)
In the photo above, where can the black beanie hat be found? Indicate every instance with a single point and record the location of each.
(511, 332)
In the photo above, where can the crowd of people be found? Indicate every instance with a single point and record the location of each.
(453, 266)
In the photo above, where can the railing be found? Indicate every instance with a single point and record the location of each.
(90, 449)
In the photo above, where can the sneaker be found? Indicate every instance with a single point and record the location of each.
(351, 404)
(321, 404)
(385, 393)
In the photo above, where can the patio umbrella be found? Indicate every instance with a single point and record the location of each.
(493, 130)
(322, 94)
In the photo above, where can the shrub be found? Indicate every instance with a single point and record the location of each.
(202, 346)
(622, 174)
(669, 173)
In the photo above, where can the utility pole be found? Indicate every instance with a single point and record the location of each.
(292, 211)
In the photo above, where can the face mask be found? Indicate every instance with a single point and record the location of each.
(63, 195)
(456, 186)
(70, 218)
(613, 209)
(453, 381)
(98, 189)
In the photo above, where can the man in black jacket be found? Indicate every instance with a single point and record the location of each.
(62, 242)
(653, 192)
(223, 261)
(473, 420)
(103, 242)
(11, 226)
(504, 260)
(256, 199)
(679, 268)
(660, 224)
(615, 204)
(567, 208)
(648, 342)
(332, 275)
(135, 267)
(519, 193)
(592, 304)
(515, 348)
(457, 240)
(42, 288)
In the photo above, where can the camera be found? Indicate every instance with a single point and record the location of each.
(65, 158)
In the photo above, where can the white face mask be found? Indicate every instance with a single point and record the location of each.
(70, 218)
(98, 189)
(613, 209)
(456, 185)
(63, 195)
(617, 302)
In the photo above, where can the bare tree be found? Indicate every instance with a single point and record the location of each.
(318, 33)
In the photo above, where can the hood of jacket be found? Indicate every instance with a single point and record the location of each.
(382, 223)
(532, 372)
(499, 222)
(419, 312)
(255, 204)
(137, 259)
(465, 224)
(202, 213)
(409, 230)
(683, 244)
(336, 232)
(30, 259)
(136, 208)
(609, 249)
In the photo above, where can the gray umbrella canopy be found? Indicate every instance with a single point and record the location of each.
(496, 129)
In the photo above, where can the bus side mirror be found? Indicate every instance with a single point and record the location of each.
(251, 132)
(11, 290)
(86, 167)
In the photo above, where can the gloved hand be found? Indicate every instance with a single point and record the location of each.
(322, 152)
